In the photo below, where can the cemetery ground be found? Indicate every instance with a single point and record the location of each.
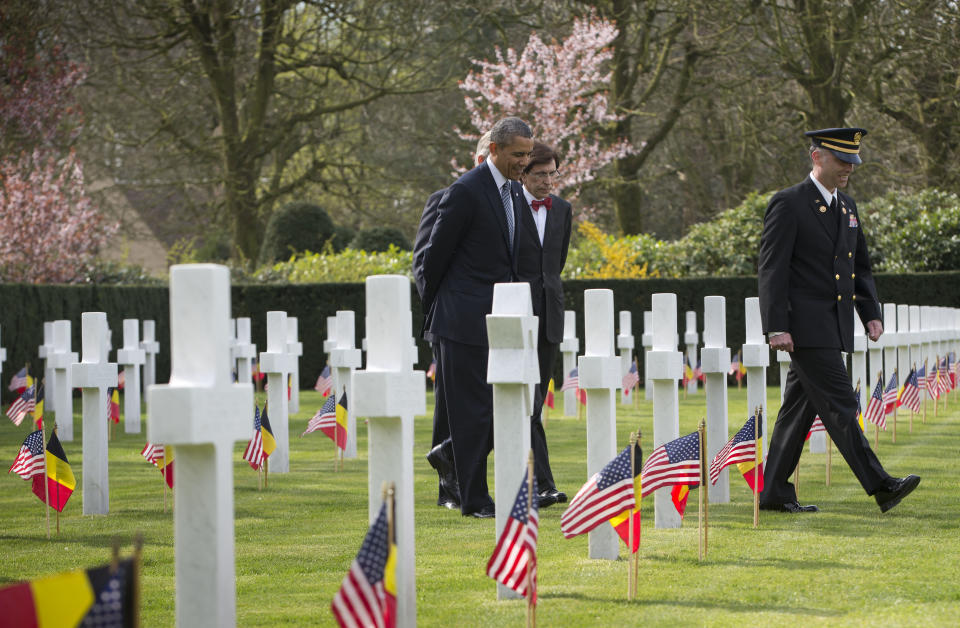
(847, 565)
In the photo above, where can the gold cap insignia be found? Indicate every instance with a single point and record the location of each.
(856, 137)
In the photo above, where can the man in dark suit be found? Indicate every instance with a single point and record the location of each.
(471, 248)
(440, 455)
(814, 269)
(545, 222)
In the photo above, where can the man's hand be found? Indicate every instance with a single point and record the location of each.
(783, 342)
(874, 330)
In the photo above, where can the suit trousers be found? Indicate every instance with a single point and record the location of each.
(546, 354)
(817, 383)
(441, 425)
(468, 399)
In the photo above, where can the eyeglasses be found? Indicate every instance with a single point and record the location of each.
(542, 176)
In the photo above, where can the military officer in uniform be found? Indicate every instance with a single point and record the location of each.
(814, 272)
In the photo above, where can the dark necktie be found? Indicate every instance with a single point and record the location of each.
(545, 203)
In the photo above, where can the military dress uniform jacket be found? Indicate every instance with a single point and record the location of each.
(814, 268)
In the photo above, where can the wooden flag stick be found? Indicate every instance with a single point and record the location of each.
(631, 532)
(897, 375)
(266, 472)
(46, 484)
(704, 501)
(756, 467)
(531, 607)
(925, 390)
(829, 452)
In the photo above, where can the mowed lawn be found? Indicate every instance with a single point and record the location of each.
(847, 565)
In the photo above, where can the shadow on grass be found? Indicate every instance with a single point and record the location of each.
(731, 606)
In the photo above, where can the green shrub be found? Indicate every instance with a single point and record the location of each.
(350, 265)
(913, 233)
(342, 237)
(380, 239)
(294, 228)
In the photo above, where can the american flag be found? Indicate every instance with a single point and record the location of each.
(816, 426)
(910, 394)
(364, 598)
(874, 412)
(324, 382)
(631, 379)
(572, 382)
(604, 496)
(931, 383)
(19, 380)
(254, 451)
(24, 404)
(946, 374)
(326, 417)
(942, 383)
(676, 462)
(152, 453)
(741, 448)
(890, 394)
(698, 370)
(516, 550)
(30, 459)
(734, 365)
(922, 377)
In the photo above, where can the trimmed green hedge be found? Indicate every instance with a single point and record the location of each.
(24, 308)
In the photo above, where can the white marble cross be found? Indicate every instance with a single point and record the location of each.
(646, 339)
(665, 367)
(390, 394)
(45, 351)
(295, 349)
(625, 343)
(150, 348)
(599, 371)
(513, 370)
(691, 338)
(130, 357)
(756, 359)
(244, 351)
(60, 360)
(916, 337)
(201, 412)
(904, 340)
(331, 342)
(344, 358)
(94, 374)
(858, 361)
(3, 356)
(232, 341)
(569, 347)
(276, 363)
(715, 363)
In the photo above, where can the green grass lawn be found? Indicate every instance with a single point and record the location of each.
(847, 565)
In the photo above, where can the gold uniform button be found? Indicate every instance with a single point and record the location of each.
(854, 297)
(837, 276)
(849, 253)
(839, 298)
(853, 275)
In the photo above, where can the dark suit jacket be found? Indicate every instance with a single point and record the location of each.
(467, 253)
(541, 266)
(427, 218)
(814, 269)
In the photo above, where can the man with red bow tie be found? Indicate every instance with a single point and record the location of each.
(544, 233)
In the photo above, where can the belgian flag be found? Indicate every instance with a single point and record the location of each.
(341, 433)
(548, 399)
(621, 523)
(266, 433)
(165, 464)
(38, 407)
(115, 405)
(59, 476)
(97, 596)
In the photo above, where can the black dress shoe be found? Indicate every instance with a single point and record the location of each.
(791, 507)
(487, 512)
(897, 489)
(549, 497)
(441, 459)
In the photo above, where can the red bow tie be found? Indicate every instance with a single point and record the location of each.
(545, 203)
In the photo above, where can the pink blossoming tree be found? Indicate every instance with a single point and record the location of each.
(49, 229)
(561, 90)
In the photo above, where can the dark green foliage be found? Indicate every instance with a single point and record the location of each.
(342, 237)
(913, 232)
(26, 307)
(294, 228)
(380, 239)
